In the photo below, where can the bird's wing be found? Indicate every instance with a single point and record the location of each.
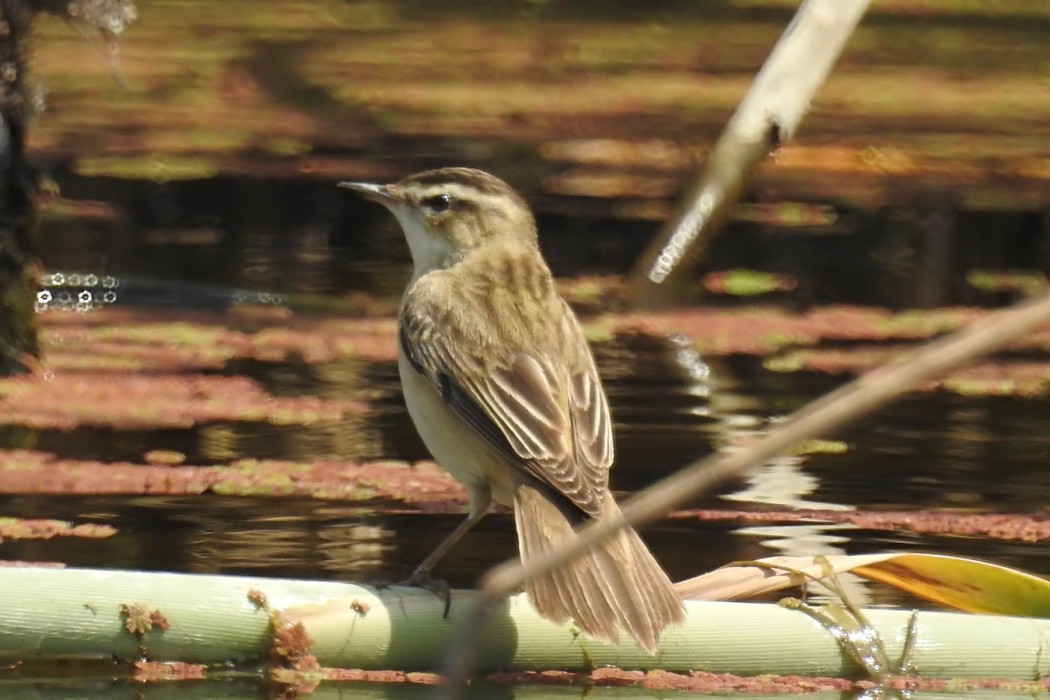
(542, 406)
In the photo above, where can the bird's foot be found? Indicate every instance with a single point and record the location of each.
(421, 578)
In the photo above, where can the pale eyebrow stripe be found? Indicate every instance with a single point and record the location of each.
(458, 191)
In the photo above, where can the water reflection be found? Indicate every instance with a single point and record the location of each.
(928, 450)
(309, 538)
(943, 450)
(312, 538)
(783, 481)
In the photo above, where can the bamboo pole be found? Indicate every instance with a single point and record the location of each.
(227, 689)
(50, 613)
(236, 689)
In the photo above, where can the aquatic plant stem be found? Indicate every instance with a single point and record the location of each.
(834, 410)
(50, 614)
(768, 116)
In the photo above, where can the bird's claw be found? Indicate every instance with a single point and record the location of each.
(420, 578)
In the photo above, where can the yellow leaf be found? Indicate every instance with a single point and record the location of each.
(964, 584)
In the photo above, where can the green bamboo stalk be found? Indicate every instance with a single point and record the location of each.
(361, 690)
(50, 613)
(248, 690)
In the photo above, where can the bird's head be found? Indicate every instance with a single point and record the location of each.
(448, 212)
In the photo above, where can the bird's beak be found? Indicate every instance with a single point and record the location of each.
(377, 193)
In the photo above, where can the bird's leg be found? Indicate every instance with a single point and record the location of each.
(422, 572)
(420, 578)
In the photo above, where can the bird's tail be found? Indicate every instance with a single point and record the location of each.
(616, 585)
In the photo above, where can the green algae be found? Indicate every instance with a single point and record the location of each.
(1026, 283)
(155, 168)
(142, 370)
(273, 81)
(22, 529)
(925, 323)
(747, 283)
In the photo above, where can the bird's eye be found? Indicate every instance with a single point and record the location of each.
(438, 203)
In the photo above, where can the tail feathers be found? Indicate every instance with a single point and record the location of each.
(617, 585)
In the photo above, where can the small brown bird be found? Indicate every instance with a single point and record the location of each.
(502, 387)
